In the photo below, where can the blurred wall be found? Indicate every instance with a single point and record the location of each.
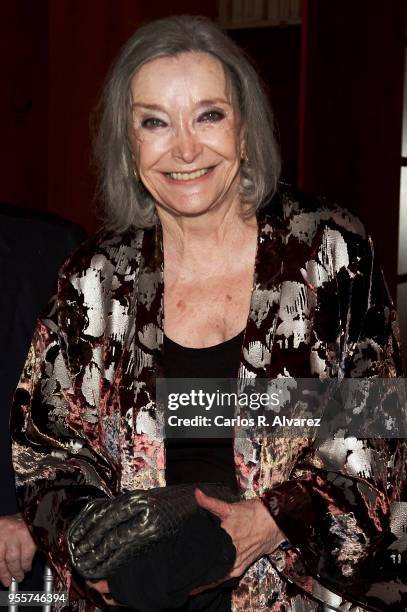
(54, 57)
(351, 107)
(23, 103)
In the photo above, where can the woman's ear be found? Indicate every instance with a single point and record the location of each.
(243, 147)
(243, 153)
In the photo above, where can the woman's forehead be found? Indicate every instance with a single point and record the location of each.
(187, 76)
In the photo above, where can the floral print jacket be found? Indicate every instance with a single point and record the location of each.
(85, 423)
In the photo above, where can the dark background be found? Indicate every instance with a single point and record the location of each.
(336, 84)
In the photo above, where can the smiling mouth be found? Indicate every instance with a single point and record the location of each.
(188, 176)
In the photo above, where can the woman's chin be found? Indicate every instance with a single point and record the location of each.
(188, 209)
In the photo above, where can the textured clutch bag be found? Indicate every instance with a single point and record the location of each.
(107, 533)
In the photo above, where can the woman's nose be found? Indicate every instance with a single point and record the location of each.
(187, 146)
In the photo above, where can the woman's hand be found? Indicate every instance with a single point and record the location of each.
(17, 549)
(253, 531)
(252, 528)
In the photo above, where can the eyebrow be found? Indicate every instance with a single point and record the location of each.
(157, 107)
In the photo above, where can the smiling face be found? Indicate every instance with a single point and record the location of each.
(184, 133)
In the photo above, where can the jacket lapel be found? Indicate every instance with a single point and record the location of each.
(259, 336)
(148, 453)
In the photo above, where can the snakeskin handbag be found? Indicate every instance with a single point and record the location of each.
(107, 533)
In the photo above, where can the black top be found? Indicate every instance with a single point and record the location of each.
(167, 571)
(201, 459)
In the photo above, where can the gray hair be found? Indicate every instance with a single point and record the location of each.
(126, 201)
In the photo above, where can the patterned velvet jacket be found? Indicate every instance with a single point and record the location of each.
(85, 420)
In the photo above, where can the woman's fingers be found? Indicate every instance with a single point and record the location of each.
(216, 506)
(250, 526)
(13, 560)
(28, 549)
(17, 549)
(101, 586)
(5, 576)
(109, 600)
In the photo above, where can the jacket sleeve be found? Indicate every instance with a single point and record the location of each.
(57, 465)
(341, 508)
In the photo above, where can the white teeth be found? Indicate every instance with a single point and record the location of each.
(188, 176)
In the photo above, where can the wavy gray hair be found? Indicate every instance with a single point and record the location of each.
(126, 201)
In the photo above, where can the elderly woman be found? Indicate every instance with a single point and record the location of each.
(207, 268)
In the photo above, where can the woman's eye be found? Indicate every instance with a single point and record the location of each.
(152, 122)
(211, 116)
